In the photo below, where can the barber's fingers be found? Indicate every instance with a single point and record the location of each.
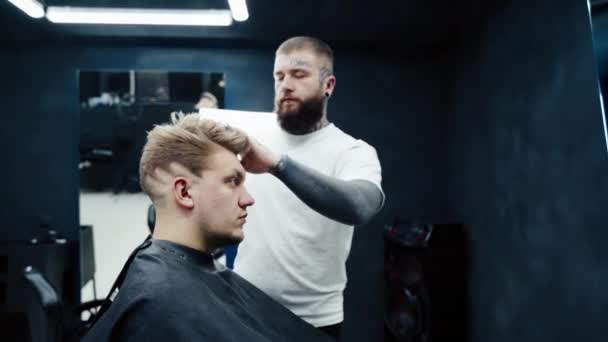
(252, 164)
(258, 158)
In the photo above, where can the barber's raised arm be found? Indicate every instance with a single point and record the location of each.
(352, 202)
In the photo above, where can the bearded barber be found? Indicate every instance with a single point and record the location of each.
(313, 183)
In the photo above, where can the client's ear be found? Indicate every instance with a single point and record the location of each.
(181, 192)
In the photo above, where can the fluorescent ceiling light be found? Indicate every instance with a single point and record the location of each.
(239, 9)
(32, 8)
(132, 16)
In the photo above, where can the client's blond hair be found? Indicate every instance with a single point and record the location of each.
(187, 140)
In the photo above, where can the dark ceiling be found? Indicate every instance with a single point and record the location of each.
(424, 23)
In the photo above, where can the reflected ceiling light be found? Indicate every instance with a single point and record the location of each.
(32, 8)
(238, 9)
(133, 16)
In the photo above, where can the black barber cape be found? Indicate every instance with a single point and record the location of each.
(175, 293)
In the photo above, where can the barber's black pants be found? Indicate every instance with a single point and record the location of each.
(332, 330)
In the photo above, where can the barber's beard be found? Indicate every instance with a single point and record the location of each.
(304, 119)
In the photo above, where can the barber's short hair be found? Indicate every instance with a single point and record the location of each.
(315, 45)
(187, 140)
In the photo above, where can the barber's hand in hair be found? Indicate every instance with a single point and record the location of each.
(258, 159)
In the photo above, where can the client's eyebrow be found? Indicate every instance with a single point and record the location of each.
(238, 174)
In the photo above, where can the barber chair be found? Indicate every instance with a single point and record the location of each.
(43, 307)
(39, 282)
(151, 218)
(40, 288)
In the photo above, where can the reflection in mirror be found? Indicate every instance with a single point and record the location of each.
(599, 24)
(117, 108)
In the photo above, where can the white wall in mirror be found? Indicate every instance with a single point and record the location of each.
(119, 225)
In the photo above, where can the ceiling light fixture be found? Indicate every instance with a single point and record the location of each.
(32, 8)
(132, 16)
(238, 9)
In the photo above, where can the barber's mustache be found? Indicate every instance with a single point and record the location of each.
(289, 98)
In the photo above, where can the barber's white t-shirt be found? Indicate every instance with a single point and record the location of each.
(291, 252)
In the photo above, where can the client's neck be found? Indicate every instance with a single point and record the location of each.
(179, 230)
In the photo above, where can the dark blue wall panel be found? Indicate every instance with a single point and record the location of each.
(528, 174)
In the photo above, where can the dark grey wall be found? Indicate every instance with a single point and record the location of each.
(394, 103)
(528, 174)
